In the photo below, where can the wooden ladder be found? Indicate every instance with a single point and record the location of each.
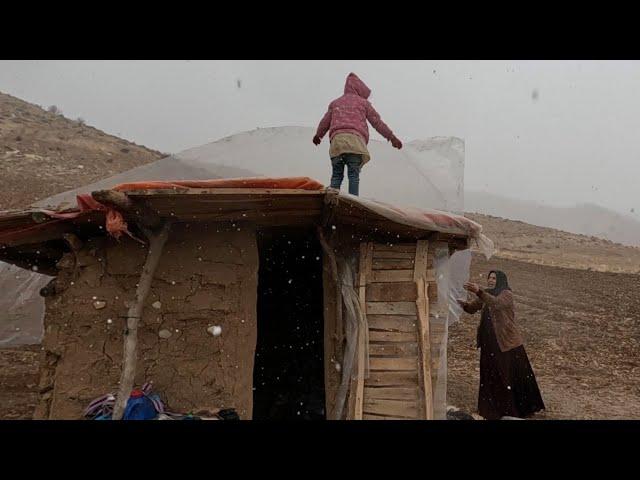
(393, 287)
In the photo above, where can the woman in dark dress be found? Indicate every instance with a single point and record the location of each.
(508, 385)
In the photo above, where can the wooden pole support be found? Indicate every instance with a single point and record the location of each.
(130, 354)
(424, 340)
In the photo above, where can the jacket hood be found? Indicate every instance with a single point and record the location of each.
(356, 86)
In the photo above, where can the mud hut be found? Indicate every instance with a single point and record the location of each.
(276, 297)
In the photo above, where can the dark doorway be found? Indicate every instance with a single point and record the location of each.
(288, 376)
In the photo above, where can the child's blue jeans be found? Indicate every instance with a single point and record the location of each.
(354, 164)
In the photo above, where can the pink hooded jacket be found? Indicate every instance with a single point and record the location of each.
(350, 112)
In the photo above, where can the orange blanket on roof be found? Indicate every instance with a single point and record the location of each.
(295, 183)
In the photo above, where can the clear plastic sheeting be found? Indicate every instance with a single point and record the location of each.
(424, 174)
(459, 269)
(428, 219)
(21, 306)
(355, 323)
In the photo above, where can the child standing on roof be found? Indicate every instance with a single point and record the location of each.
(346, 121)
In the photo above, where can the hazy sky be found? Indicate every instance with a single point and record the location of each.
(576, 139)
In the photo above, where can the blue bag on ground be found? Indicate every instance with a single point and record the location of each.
(139, 407)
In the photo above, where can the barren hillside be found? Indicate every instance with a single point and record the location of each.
(43, 153)
(547, 246)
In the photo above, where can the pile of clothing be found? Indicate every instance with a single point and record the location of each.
(144, 405)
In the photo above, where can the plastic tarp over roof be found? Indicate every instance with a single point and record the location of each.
(425, 174)
(423, 219)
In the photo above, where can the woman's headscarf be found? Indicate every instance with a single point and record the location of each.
(502, 283)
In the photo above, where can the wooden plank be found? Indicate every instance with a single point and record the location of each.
(392, 264)
(392, 393)
(366, 258)
(400, 408)
(393, 349)
(377, 336)
(396, 247)
(351, 400)
(400, 323)
(393, 363)
(391, 308)
(433, 291)
(392, 254)
(424, 343)
(420, 268)
(391, 292)
(364, 267)
(370, 416)
(391, 379)
(392, 276)
(421, 277)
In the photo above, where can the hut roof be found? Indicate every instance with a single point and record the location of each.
(261, 201)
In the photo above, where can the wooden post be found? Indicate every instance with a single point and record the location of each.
(156, 244)
(366, 260)
(424, 338)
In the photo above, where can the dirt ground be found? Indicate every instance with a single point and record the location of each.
(582, 334)
(19, 382)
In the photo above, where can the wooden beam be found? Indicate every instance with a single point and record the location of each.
(409, 349)
(391, 308)
(392, 393)
(392, 263)
(399, 323)
(400, 408)
(391, 292)
(383, 276)
(424, 340)
(393, 363)
(391, 379)
(156, 244)
(366, 259)
(136, 209)
(376, 336)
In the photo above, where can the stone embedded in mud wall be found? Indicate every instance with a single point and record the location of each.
(164, 333)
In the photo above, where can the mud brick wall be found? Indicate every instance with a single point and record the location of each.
(207, 276)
